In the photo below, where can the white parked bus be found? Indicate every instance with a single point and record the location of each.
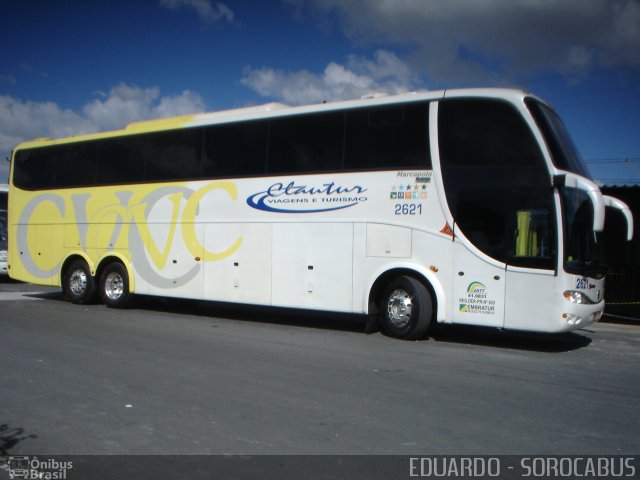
(463, 206)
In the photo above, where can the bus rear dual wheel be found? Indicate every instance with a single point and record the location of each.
(113, 286)
(406, 308)
(78, 284)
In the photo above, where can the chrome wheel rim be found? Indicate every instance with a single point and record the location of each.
(399, 308)
(78, 282)
(114, 286)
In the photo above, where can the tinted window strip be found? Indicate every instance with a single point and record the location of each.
(387, 141)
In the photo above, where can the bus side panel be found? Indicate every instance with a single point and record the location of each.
(36, 238)
(172, 265)
(433, 252)
(312, 265)
(477, 289)
(526, 290)
(244, 276)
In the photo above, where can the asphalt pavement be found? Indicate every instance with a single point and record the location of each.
(170, 377)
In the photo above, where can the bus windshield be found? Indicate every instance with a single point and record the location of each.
(582, 248)
(582, 251)
(563, 151)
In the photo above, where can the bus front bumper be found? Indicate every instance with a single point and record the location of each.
(579, 316)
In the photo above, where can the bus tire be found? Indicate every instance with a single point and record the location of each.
(78, 284)
(114, 286)
(406, 308)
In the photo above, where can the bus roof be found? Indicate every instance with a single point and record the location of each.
(273, 110)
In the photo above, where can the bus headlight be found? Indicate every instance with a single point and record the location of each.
(578, 297)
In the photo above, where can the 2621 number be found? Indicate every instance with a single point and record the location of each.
(408, 209)
(582, 283)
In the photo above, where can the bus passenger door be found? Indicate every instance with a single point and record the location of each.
(478, 287)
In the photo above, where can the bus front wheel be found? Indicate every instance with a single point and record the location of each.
(114, 286)
(78, 284)
(406, 308)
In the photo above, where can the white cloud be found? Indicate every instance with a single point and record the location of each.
(206, 10)
(25, 120)
(184, 104)
(20, 121)
(123, 105)
(360, 76)
(452, 40)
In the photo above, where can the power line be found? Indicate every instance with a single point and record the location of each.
(618, 181)
(617, 160)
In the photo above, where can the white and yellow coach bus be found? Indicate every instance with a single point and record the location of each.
(464, 206)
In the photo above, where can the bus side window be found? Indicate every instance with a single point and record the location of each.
(34, 169)
(306, 143)
(532, 233)
(76, 164)
(172, 156)
(121, 160)
(235, 150)
(388, 137)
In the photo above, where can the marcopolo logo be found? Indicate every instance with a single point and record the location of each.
(294, 198)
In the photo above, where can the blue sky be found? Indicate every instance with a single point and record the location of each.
(71, 67)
